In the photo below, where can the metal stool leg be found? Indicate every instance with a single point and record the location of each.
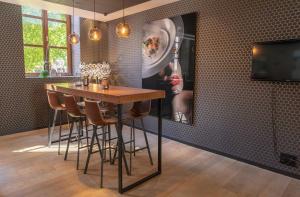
(133, 130)
(69, 140)
(115, 151)
(86, 131)
(52, 128)
(102, 158)
(130, 149)
(59, 135)
(109, 143)
(49, 122)
(104, 141)
(68, 120)
(90, 149)
(80, 133)
(146, 140)
(115, 154)
(124, 157)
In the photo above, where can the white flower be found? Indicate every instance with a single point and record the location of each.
(99, 70)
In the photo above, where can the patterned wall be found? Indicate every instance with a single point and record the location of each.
(76, 48)
(232, 113)
(23, 101)
(93, 50)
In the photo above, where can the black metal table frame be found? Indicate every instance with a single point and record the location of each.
(122, 189)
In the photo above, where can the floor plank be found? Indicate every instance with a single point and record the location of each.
(29, 168)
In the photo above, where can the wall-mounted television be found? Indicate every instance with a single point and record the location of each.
(276, 61)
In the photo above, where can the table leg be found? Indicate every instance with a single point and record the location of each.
(120, 149)
(159, 114)
(49, 122)
(158, 172)
(52, 128)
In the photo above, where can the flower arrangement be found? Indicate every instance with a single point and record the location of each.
(96, 70)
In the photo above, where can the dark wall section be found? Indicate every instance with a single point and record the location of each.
(232, 113)
(91, 50)
(23, 102)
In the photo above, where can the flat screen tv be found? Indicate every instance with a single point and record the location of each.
(276, 61)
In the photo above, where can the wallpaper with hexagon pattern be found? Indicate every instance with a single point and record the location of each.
(232, 114)
(23, 102)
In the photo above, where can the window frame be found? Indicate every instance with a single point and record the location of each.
(45, 35)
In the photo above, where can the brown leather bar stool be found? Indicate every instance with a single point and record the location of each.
(54, 104)
(137, 112)
(96, 119)
(76, 116)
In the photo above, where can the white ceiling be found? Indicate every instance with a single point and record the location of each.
(46, 5)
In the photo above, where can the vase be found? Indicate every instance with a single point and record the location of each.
(105, 83)
(98, 80)
(86, 81)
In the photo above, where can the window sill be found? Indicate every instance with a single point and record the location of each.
(52, 77)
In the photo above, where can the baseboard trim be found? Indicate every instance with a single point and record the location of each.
(296, 176)
(29, 129)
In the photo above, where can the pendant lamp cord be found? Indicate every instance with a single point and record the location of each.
(94, 46)
(123, 5)
(73, 16)
(94, 12)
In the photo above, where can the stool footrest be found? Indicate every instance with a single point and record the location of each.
(97, 151)
(62, 139)
(136, 150)
(127, 142)
(86, 146)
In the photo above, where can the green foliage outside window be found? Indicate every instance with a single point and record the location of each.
(33, 31)
(57, 34)
(57, 16)
(33, 35)
(33, 59)
(31, 11)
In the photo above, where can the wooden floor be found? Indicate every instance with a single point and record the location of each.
(29, 168)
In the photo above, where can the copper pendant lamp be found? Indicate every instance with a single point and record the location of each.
(73, 38)
(95, 33)
(123, 29)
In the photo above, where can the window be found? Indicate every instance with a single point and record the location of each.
(45, 39)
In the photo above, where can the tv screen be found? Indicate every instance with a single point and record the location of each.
(276, 61)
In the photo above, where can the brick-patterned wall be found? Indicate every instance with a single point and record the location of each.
(232, 113)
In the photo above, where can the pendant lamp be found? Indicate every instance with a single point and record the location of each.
(95, 33)
(123, 29)
(73, 38)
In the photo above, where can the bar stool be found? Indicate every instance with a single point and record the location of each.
(137, 112)
(76, 116)
(107, 110)
(96, 119)
(54, 104)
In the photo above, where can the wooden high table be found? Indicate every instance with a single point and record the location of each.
(118, 95)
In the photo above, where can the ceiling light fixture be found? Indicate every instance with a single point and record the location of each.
(123, 29)
(73, 38)
(95, 33)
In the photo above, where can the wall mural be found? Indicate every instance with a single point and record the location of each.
(169, 64)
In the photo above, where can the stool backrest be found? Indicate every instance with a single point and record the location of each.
(71, 105)
(93, 112)
(53, 100)
(141, 108)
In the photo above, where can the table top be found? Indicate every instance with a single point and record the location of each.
(115, 94)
